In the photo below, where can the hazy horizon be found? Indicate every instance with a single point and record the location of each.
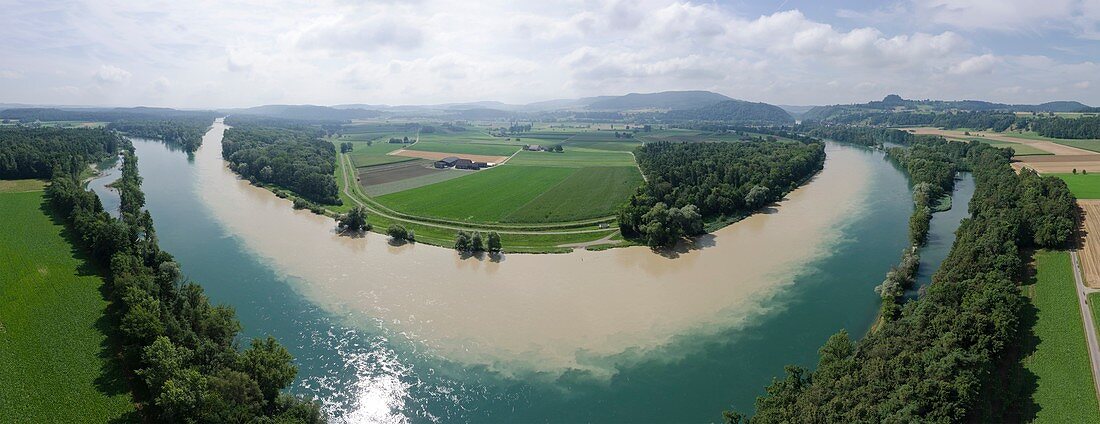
(231, 54)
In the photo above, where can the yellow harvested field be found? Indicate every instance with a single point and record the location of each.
(19, 186)
(1046, 146)
(439, 155)
(1090, 253)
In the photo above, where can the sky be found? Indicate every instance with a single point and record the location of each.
(230, 53)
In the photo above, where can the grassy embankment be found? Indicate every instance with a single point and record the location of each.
(1064, 390)
(53, 343)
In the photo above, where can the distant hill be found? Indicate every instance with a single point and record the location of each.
(734, 111)
(665, 100)
(895, 103)
(307, 112)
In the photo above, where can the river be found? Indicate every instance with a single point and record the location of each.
(415, 333)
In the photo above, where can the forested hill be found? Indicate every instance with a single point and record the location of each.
(894, 103)
(733, 111)
(665, 100)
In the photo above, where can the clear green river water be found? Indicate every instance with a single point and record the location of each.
(364, 368)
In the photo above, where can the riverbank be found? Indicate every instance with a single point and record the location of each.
(412, 331)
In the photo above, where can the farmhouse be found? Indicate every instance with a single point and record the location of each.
(447, 162)
(533, 148)
(466, 164)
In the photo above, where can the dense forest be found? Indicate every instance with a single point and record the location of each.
(180, 352)
(185, 133)
(690, 183)
(931, 362)
(865, 136)
(183, 129)
(1084, 127)
(38, 152)
(294, 157)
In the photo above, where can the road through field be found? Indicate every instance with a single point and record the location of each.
(1090, 324)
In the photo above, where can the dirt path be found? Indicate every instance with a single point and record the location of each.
(1047, 146)
(1090, 325)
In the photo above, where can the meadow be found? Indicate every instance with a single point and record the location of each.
(53, 346)
(460, 148)
(1060, 361)
(377, 153)
(486, 196)
(1083, 186)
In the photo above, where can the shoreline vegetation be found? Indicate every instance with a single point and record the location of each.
(180, 353)
(936, 358)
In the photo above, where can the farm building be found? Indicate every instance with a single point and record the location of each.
(533, 148)
(447, 162)
(466, 164)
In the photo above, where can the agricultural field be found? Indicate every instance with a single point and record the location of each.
(1060, 363)
(363, 155)
(1090, 252)
(468, 148)
(487, 196)
(391, 178)
(573, 158)
(1083, 186)
(1018, 148)
(52, 325)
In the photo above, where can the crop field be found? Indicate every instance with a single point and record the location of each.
(1083, 186)
(488, 196)
(1090, 252)
(363, 155)
(18, 186)
(1064, 390)
(583, 194)
(52, 342)
(1090, 145)
(572, 158)
(1018, 148)
(465, 148)
(392, 178)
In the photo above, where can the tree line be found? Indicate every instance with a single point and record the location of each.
(692, 183)
(185, 133)
(27, 152)
(179, 351)
(1085, 127)
(934, 359)
(292, 157)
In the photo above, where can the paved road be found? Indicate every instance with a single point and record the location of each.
(1090, 325)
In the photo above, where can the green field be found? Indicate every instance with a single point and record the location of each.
(1094, 307)
(1091, 145)
(1083, 186)
(464, 148)
(1064, 390)
(572, 158)
(586, 193)
(487, 196)
(52, 343)
(1019, 149)
(363, 155)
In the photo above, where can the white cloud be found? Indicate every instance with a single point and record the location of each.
(983, 64)
(338, 51)
(111, 74)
